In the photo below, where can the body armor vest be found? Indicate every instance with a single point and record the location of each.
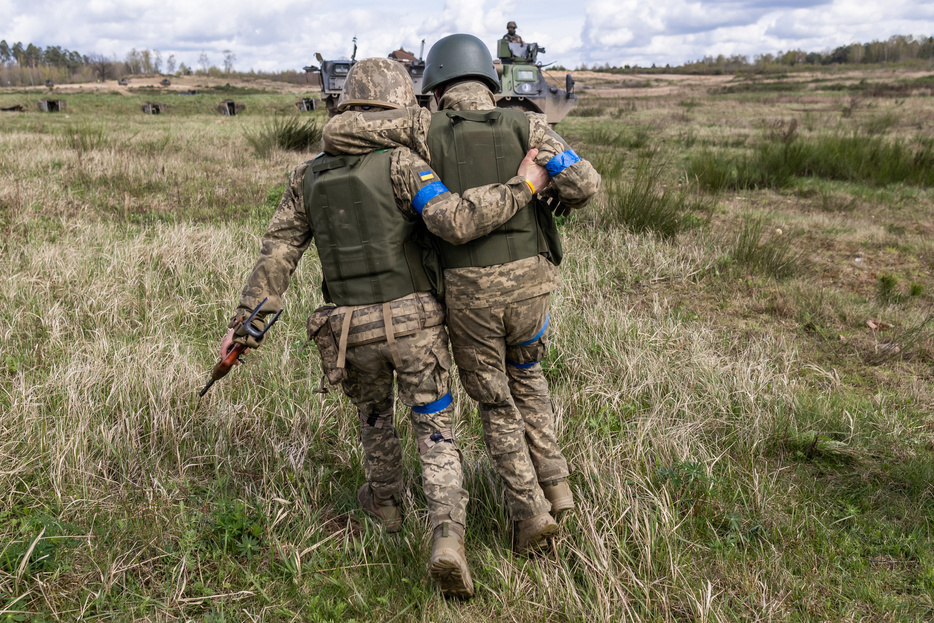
(479, 147)
(369, 252)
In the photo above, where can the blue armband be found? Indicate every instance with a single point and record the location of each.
(426, 194)
(539, 334)
(440, 404)
(522, 366)
(562, 161)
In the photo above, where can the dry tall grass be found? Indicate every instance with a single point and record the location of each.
(739, 452)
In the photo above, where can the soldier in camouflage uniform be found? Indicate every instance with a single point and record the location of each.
(511, 35)
(366, 214)
(497, 288)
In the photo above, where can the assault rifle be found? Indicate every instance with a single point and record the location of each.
(233, 355)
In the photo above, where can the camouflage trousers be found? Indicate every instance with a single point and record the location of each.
(497, 351)
(423, 377)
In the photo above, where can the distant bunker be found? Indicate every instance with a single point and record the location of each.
(228, 108)
(307, 104)
(153, 108)
(47, 105)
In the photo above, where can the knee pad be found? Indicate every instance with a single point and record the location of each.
(427, 442)
(376, 420)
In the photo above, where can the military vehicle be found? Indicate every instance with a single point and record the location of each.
(333, 74)
(524, 84)
(416, 69)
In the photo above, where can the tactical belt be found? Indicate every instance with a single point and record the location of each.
(358, 325)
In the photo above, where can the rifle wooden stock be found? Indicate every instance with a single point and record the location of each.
(224, 365)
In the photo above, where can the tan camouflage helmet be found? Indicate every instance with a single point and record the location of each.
(377, 82)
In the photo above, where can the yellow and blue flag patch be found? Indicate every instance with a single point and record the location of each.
(426, 175)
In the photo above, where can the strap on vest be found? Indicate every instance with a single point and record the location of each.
(327, 164)
(391, 336)
(345, 333)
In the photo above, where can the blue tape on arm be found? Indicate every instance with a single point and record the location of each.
(523, 366)
(539, 334)
(562, 161)
(440, 404)
(426, 194)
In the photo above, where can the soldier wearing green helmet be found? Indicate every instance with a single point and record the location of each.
(498, 286)
(369, 213)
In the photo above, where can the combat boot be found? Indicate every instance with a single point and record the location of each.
(535, 532)
(558, 492)
(385, 510)
(448, 564)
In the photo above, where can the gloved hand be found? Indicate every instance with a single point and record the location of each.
(554, 204)
(240, 336)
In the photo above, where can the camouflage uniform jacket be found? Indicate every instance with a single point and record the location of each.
(455, 218)
(575, 185)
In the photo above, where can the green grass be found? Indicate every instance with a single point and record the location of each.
(772, 255)
(872, 160)
(745, 443)
(640, 205)
(292, 133)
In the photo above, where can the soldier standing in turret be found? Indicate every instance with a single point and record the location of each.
(511, 35)
(367, 214)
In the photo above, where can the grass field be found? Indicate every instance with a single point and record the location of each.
(742, 369)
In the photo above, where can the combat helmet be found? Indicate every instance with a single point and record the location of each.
(510, 25)
(377, 82)
(459, 56)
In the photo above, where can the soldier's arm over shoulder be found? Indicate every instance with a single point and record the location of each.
(452, 217)
(362, 132)
(286, 239)
(574, 179)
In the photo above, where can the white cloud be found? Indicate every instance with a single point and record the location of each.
(286, 34)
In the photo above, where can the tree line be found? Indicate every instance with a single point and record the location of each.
(31, 65)
(896, 49)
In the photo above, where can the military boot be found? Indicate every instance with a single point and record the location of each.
(559, 494)
(535, 532)
(448, 565)
(385, 510)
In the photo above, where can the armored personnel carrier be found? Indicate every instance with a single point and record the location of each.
(524, 85)
(416, 69)
(334, 73)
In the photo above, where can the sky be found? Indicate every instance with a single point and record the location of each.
(285, 34)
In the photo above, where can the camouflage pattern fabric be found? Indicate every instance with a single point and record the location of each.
(452, 217)
(494, 315)
(362, 132)
(576, 185)
(422, 378)
(514, 38)
(377, 82)
(515, 407)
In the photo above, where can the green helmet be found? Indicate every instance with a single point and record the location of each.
(456, 57)
(377, 82)
(510, 25)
